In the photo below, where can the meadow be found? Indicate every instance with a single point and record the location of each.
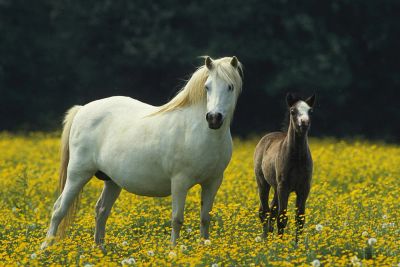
(352, 214)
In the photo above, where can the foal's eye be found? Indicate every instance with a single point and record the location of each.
(230, 88)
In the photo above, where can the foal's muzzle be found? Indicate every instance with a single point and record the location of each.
(214, 120)
(304, 125)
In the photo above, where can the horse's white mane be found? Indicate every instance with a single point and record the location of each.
(193, 92)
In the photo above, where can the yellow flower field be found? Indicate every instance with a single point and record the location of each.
(352, 215)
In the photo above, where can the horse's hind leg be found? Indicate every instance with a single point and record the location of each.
(74, 184)
(263, 193)
(107, 199)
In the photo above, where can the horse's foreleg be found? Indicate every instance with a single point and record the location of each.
(283, 195)
(300, 217)
(179, 189)
(107, 199)
(208, 192)
(274, 213)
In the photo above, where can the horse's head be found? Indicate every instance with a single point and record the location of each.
(300, 112)
(222, 86)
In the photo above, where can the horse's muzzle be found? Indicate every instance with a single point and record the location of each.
(214, 120)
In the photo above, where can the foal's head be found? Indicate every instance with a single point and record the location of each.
(300, 112)
(222, 87)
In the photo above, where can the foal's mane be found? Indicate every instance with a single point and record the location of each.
(193, 92)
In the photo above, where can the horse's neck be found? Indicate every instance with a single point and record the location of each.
(297, 144)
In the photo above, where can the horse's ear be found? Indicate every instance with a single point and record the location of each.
(311, 100)
(291, 99)
(209, 63)
(234, 62)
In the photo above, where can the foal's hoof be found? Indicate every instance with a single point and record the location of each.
(101, 247)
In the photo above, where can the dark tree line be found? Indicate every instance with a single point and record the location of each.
(56, 53)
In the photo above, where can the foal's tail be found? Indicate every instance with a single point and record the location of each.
(69, 118)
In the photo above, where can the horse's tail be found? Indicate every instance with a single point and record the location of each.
(69, 118)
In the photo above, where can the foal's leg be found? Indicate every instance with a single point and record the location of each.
(263, 193)
(274, 213)
(208, 192)
(179, 189)
(300, 217)
(107, 199)
(283, 195)
(74, 184)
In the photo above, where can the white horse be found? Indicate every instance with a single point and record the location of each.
(150, 151)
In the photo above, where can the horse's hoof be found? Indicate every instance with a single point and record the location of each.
(47, 243)
(44, 245)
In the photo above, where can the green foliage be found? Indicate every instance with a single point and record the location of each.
(54, 54)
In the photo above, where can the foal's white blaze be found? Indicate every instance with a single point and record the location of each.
(303, 116)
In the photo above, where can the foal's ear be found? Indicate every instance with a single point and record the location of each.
(209, 63)
(234, 62)
(311, 100)
(291, 99)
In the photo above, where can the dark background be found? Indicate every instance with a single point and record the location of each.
(54, 54)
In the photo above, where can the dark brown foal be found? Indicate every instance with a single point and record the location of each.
(283, 161)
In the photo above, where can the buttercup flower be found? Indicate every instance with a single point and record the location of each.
(138, 227)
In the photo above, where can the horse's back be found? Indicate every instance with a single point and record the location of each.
(95, 121)
(117, 104)
(264, 154)
(109, 111)
(265, 143)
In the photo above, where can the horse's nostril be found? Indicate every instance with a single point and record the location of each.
(218, 116)
(208, 116)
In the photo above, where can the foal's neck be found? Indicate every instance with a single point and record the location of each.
(297, 143)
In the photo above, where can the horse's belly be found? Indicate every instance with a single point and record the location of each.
(152, 191)
(146, 185)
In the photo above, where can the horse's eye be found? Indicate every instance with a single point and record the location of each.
(310, 111)
(230, 87)
(206, 87)
(292, 111)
